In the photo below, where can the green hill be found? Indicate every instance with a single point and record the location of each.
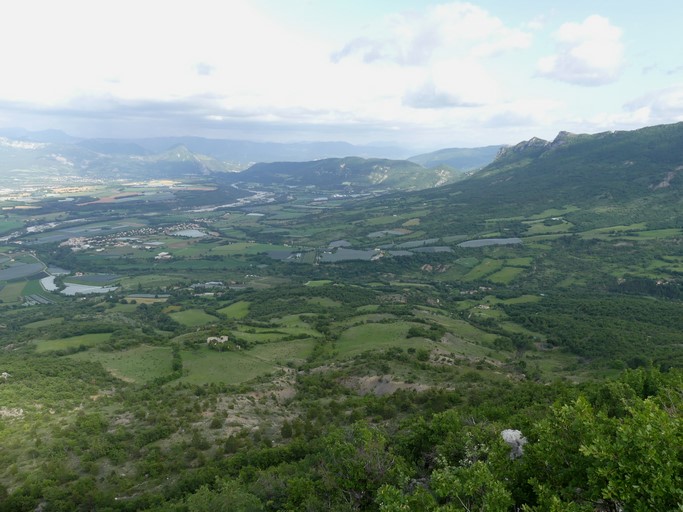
(332, 173)
(607, 178)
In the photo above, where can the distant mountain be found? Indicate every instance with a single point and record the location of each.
(461, 159)
(246, 153)
(51, 136)
(336, 173)
(240, 153)
(100, 159)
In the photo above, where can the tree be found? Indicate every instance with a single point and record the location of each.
(229, 496)
(471, 488)
(356, 462)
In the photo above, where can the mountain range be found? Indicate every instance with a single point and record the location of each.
(322, 164)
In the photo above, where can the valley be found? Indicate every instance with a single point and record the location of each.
(250, 337)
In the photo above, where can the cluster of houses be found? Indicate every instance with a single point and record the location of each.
(131, 238)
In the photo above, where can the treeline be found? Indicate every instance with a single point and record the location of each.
(632, 330)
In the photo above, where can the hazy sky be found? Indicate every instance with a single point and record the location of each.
(418, 73)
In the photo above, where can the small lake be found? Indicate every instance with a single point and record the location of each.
(72, 289)
(483, 242)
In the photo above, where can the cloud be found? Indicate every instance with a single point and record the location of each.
(429, 96)
(663, 105)
(415, 39)
(588, 53)
(453, 83)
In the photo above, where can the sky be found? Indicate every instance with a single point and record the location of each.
(413, 73)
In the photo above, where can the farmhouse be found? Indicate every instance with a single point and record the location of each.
(216, 340)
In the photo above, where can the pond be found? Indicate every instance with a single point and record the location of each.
(48, 283)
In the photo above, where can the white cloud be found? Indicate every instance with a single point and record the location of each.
(453, 83)
(450, 30)
(588, 53)
(663, 105)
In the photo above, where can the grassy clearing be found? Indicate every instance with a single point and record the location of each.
(279, 354)
(237, 310)
(516, 328)
(505, 275)
(486, 267)
(539, 228)
(227, 367)
(9, 225)
(88, 340)
(149, 281)
(234, 367)
(319, 282)
(465, 330)
(246, 248)
(519, 262)
(193, 317)
(659, 234)
(554, 212)
(44, 323)
(260, 337)
(613, 230)
(360, 338)
(12, 291)
(33, 288)
(140, 364)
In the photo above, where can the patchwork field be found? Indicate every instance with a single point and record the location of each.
(86, 340)
(193, 317)
(139, 364)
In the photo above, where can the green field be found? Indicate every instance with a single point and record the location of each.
(149, 281)
(236, 310)
(360, 338)
(318, 282)
(539, 228)
(246, 248)
(12, 291)
(193, 317)
(44, 323)
(505, 275)
(140, 364)
(88, 340)
(486, 267)
(33, 288)
(234, 367)
(519, 262)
